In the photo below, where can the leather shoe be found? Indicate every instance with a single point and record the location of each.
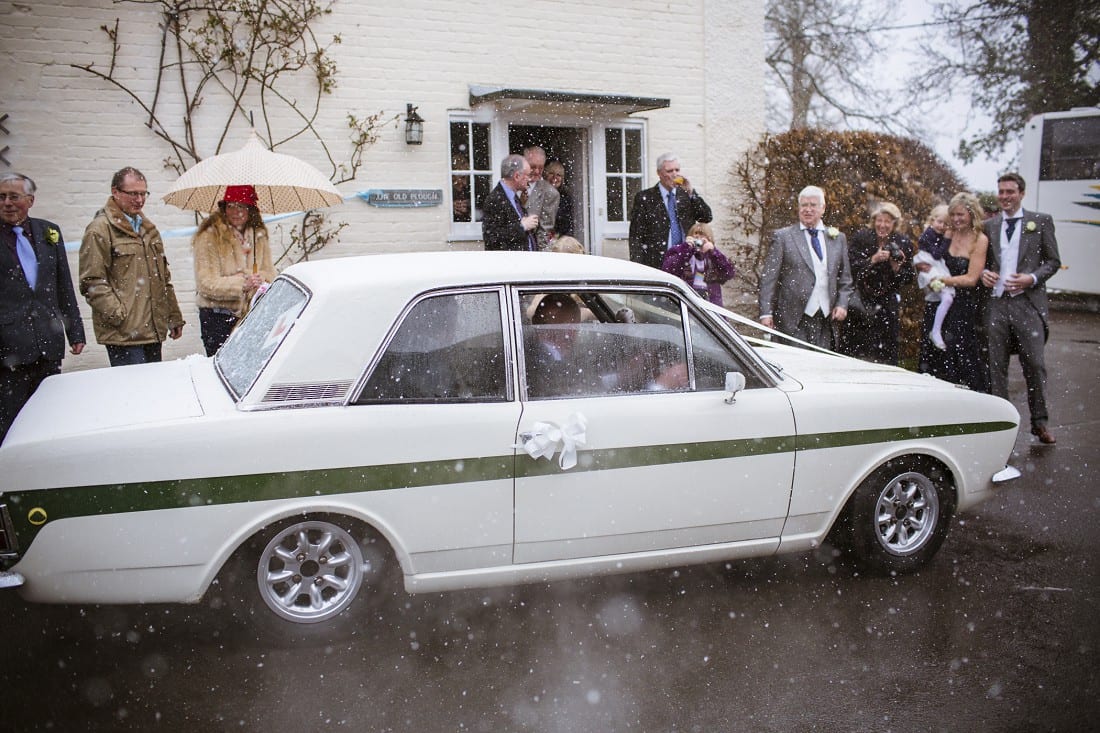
(1043, 435)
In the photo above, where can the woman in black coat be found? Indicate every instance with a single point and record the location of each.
(882, 261)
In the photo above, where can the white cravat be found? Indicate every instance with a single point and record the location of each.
(819, 297)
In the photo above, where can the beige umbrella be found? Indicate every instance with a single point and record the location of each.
(283, 183)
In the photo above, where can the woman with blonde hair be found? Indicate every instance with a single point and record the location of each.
(232, 262)
(700, 263)
(882, 262)
(566, 244)
(960, 361)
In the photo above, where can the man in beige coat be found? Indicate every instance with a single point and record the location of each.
(124, 276)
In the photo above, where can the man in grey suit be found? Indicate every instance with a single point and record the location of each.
(1022, 256)
(807, 281)
(542, 198)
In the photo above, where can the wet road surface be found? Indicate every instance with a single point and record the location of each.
(999, 633)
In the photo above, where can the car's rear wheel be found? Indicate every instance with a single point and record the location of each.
(899, 516)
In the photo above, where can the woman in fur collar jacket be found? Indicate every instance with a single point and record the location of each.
(232, 262)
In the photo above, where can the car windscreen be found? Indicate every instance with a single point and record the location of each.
(243, 356)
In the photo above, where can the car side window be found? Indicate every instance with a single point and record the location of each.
(602, 343)
(448, 348)
(712, 359)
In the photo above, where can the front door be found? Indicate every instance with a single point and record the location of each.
(568, 146)
(666, 463)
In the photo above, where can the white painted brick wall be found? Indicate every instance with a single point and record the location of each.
(70, 131)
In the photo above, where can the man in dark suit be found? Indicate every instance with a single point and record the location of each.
(664, 214)
(1022, 256)
(807, 281)
(505, 225)
(38, 306)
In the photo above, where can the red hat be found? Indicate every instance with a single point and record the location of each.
(240, 195)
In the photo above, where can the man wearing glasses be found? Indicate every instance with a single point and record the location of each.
(37, 300)
(124, 275)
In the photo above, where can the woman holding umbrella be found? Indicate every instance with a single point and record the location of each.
(232, 262)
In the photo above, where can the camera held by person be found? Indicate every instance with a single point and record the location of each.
(895, 252)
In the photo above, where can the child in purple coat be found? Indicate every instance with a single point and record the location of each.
(701, 264)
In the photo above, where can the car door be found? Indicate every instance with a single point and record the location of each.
(439, 406)
(665, 462)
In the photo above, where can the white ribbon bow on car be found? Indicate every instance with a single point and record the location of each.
(544, 439)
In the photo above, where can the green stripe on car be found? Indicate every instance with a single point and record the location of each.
(80, 501)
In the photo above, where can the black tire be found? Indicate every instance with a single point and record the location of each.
(899, 516)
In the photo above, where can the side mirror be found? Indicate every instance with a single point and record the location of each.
(735, 382)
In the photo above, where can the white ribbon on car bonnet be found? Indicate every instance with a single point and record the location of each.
(544, 439)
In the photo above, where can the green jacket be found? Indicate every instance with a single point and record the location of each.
(124, 276)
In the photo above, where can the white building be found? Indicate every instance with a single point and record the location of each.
(604, 85)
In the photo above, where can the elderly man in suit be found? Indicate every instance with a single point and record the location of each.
(505, 224)
(1022, 256)
(807, 280)
(37, 299)
(542, 198)
(662, 215)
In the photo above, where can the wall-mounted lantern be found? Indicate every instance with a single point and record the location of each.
(414, 126)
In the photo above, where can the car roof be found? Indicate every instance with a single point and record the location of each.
(417, 271)
(356, 300)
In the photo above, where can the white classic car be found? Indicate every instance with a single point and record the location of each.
(477, 419)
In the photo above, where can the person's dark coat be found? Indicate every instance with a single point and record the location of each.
(500, 223)
(34, 324)
(649, 223)
(878, 283)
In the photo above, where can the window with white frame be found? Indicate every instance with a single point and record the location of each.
(471, 175)
(624, 155)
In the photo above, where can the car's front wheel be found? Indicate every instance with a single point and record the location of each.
(310, 571)
(899, 516)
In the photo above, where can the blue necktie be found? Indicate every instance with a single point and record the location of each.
(675, 231)
(1010, 226)
(817, 245)
(26, 256)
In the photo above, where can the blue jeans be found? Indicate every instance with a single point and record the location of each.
(140, 354)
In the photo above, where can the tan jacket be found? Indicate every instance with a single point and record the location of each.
(124, 276)
(221, 265)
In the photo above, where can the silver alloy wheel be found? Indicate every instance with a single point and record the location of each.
(310, 571)
(907, 513)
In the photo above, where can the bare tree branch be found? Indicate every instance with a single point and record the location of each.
(821, 55)
(1014, 59)
(241, 52)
